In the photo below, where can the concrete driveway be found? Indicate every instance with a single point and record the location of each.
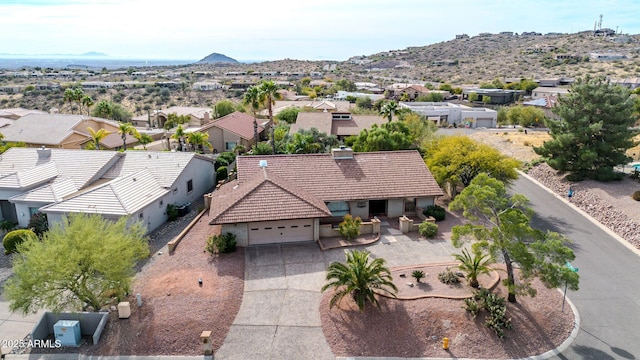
(279, 317)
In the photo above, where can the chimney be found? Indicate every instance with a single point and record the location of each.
(44, 153)
(342, 153)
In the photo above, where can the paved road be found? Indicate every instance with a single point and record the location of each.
(609, 297)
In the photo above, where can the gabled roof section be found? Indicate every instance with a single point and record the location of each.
(356, 124)
(82, 166)
(29, 177)
(373, 175)
(307, 120)
(238, 123)
(165, 166)
(264, 197)
(48, 129)
(50, 193)
(119, 197)
(186, 110)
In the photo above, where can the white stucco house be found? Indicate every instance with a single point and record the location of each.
(137, 184)
(444, 113)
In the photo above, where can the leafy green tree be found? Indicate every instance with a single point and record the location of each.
(503, 228)
(311, 142)
(346, 85)
(593, 132)
(446, 87)
(431, 97)
(497, 83)
(125, 129)
(121, 114)
(420, 129)
(97, 136)
(80, 264)
(261, 149)
(389, 136)
(389, 109)
(502, 115)
(364, 102)
(525, 116)
(288, 115)
(224, 108)
(359, 277)
(144, 139)
(349, 228)
(103, 109)
(473, 96)
(456, 160)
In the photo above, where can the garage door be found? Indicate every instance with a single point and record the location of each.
(487, 123)
(273, 232)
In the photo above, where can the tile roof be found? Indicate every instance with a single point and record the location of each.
(29, 177)
(48, 129)
(49, 193)
(324, 122)
(122, 196)
(373, 175)
(82, 166)
(238, 123)
(165, 166)
(264, 197)
(186, 110)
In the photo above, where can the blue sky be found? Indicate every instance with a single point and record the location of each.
(272, 30)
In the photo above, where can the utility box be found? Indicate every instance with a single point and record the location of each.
(124, 310)
(207, 345)
(67, 332)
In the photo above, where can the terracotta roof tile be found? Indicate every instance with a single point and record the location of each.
(238, 123)
(373, 175)
(265, 197)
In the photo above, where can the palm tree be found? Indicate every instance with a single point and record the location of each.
(389, 109)
(252, 98)
(179, 135)
(268, 95)
(71, 96)
(88, 102)
(144, 139)
(473, 266)
(360, 278)
(125, 129)
(198, 140)
(104, 109)
(97, 136)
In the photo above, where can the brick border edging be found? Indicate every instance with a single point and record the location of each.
(176, 240)
(459, 297)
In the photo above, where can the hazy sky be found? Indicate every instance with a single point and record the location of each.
(271, 30)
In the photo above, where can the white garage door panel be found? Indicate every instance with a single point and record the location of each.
(484, 123)
(272, 232)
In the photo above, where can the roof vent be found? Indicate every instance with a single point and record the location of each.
(342, 153)
(44, 153)
(263, 163)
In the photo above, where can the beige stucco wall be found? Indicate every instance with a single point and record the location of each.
(240, 231)
(354, 210)
(423, 202)
(395, 207)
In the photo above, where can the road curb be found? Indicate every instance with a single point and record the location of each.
(610, 232)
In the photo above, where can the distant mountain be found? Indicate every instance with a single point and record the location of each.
(94, 54)
(217, 58)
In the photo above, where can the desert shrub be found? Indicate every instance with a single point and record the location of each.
(472, 307)
(15, 238)
(435, 211)
(350, 227)
(495, 305)
(428, 229)
(224, 244)
(448, 277)
(636, 196)
(172, 212)
(222, 173)
(418, 275)
(39, 223)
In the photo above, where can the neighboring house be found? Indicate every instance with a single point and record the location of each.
(138, 184)
(286, 198)
(17, 113)
(63, 131)
(234, 129)
(607, 56)
(342, 95)
(341, 124)
(542, 92)
(197, 116)
(443, 113)
(632, 83)
(546, 104)
(549, 82)
(207, 86)
(408, 91)
(310, 105)
(498, 96)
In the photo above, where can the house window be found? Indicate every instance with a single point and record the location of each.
(189, 186)
(229, 145)
(160, 203)
(33, 211)
(141, 216)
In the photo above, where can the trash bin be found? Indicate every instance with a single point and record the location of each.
(182, 210)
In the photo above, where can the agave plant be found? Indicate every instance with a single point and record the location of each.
(359, 277)
(473, 265)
